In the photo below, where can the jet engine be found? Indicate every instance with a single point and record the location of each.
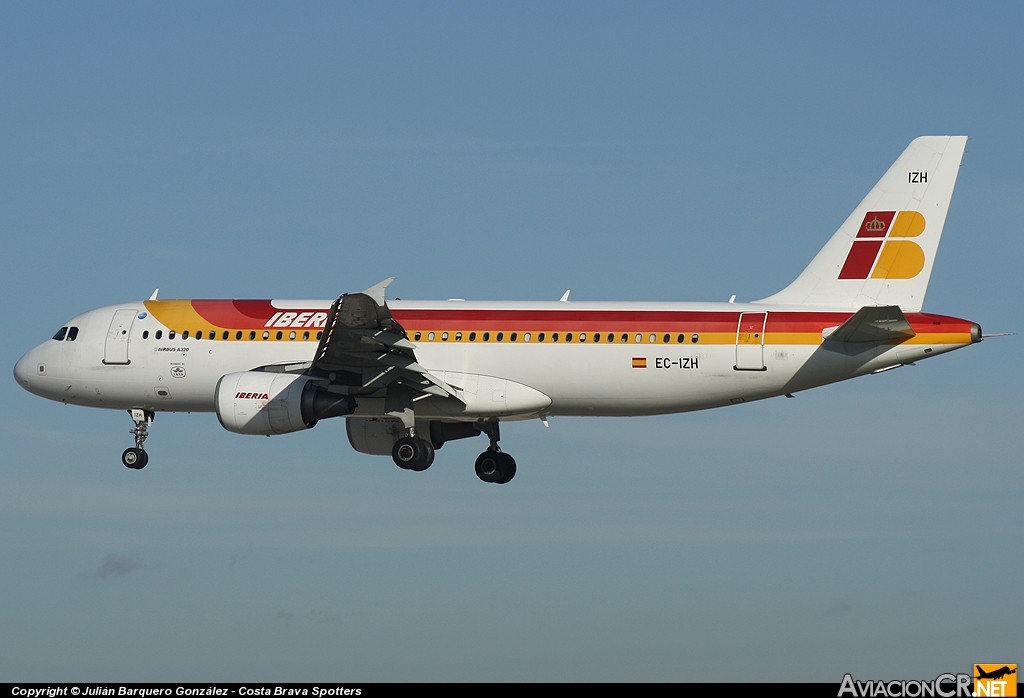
(265, 403)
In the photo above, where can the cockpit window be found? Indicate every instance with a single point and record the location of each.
(72, 334)
(60, 334)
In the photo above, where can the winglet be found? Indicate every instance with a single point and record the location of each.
(377, 292)
(153, 297)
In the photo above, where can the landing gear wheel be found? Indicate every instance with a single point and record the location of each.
(508, 469)
(487, 466)
(412, 454)
(496, 467)
(134, 458)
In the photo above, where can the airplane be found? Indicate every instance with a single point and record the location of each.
(409, 376)
(995, 674)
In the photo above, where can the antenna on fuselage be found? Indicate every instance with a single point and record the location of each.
(565, 296)
(153, 297)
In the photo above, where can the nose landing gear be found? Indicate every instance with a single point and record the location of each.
(136, 458)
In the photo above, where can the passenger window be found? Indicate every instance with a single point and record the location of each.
(583, 336)
(472, 336)
(159, 334)
(653, 338)
(252, 336)
(540, 337)
(417, 336)
(72, 333)
(266, 336)
(291, 335)
(319, 335)
(225, 334)
(694, 339)
(597, 337)
(458, 336)
(526, 337)
(624, 338)
(611, 337)
(501, 336)
(664, 340)
(554, 337)
(199, 334)
(61, 333)
(170, 335)
(444, 336)
(145, 334)
(305, 336)
(639, 338)
(279, 335)
(184, 335)
(568, 336)
(512, 338)
(487, 336)
(238, 335)
(430, 337)
(680, 339)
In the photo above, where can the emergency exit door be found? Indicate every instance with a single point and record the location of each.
(750, 342)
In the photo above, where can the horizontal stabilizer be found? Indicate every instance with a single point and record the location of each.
(874, 324)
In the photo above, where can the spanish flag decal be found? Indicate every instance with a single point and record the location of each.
(639, 362)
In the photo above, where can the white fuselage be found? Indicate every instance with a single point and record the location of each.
(629, 375)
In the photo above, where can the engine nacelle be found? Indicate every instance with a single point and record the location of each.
(265, 403)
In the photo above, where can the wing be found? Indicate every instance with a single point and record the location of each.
(364, 348)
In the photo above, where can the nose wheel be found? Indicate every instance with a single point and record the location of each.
(136, 458)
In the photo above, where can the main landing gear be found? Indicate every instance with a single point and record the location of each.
(493, 465)
(411, 453)
(136, 458)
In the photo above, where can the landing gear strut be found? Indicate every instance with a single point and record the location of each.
(136, 458)
(493, 465)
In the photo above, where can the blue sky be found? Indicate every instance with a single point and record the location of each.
(658, 151)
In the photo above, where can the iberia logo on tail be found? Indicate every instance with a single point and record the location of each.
(900, 258)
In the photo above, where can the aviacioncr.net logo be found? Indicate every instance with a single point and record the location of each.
(945, 686)
(995, 680)
(900, 258)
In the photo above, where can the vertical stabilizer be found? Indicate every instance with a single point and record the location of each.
(883, 253)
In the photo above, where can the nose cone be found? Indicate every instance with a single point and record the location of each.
(26, 370)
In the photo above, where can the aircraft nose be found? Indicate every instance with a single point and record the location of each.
(26, 370)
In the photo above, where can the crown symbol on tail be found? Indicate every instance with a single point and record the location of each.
(875, 225)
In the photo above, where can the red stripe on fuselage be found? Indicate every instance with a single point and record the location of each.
(254, 314)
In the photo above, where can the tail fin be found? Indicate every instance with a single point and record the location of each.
(883, 253)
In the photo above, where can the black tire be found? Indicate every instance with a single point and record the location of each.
(488, 466)
(412, 454)
(427, 457)
(134, 458)
(508, 469)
